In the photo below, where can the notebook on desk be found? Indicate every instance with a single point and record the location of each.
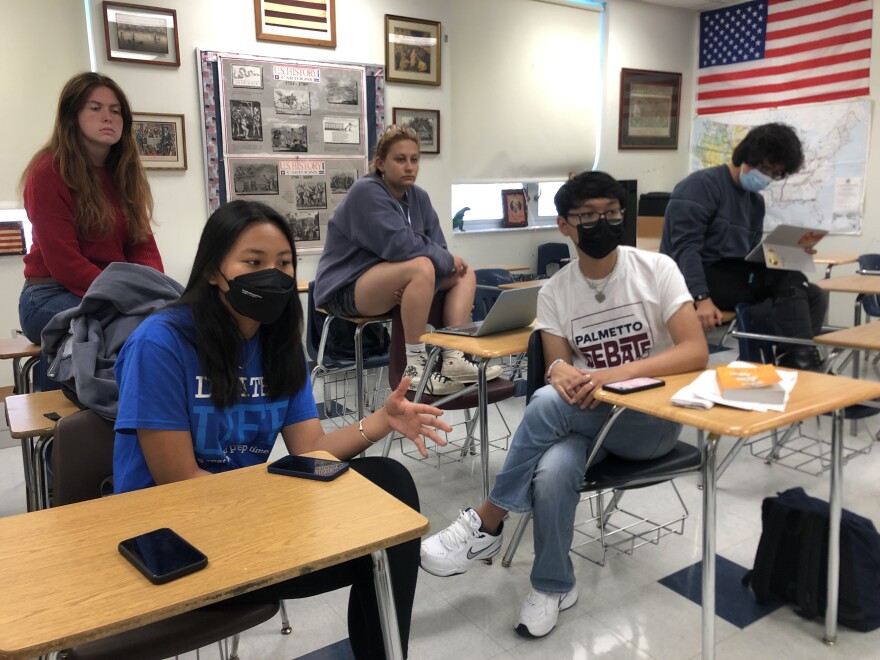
(514, 308)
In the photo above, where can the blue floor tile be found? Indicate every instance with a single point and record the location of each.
(341, 650)
(734, 602)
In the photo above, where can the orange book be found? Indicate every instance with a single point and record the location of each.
(758, 384)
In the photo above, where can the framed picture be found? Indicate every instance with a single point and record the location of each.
(311, 22)
(412, 50)
(161, 140)
(138, 33)
(649, 108)
(516, 214)
(426, 123)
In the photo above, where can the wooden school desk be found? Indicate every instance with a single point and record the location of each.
(832, 259)
(26, 415)
(523, 285)
(814, 394)
(484, 348)
(15, 349)
(511, 268)
(65, 582)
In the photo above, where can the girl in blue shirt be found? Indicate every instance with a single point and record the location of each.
(208, 384)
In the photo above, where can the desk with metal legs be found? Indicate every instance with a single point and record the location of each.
(832, 259)
(15, 349)
(484, 348)
(65, 583)
(814, 394)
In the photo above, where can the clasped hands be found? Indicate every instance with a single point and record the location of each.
(578, 387)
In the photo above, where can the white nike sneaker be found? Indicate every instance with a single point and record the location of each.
(464, 369)
(540, 612)
(457, 547)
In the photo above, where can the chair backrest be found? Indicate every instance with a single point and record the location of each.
(535, 370)
(82, 458)
(484, 298)
(551, 253)
(754, 319)
(871, 304)
(493, 276)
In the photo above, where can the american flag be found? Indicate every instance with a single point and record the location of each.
(771, 53)
(11, 238)
(299, 14)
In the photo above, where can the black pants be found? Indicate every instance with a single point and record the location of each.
(798, 306)
(364, 627)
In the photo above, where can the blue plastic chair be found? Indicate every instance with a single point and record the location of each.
(870, 304)
(493, 276)
(551, 253)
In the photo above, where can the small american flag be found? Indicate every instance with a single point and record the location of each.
(11, 238)
(771, 53)
(298, 14)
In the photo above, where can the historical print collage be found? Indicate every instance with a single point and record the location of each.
(294, 138)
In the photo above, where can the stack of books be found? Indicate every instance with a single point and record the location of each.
(753, 384)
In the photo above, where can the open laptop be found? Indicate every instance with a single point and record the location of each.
(515, 308)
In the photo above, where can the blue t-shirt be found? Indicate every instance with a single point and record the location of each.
(162, 387)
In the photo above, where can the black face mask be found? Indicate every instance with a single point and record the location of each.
(261, 296)
(601, 239)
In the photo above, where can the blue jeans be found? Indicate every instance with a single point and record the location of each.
(37, 304)
(544, 469)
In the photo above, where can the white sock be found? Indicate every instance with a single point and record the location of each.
(414, 349)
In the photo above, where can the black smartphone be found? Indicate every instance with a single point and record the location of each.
(634, 385)
(307, 467)
(162, 555)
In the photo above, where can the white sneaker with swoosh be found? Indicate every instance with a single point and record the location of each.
(456, 548)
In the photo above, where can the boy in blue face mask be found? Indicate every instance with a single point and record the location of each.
(713, 220)
(613, 314)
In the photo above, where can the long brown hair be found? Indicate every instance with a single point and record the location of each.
(94, 218)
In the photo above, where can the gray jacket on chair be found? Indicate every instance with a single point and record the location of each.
(82, 343)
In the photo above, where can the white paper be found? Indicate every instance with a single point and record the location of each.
(705, 388)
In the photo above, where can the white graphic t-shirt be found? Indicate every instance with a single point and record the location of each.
(643, 292)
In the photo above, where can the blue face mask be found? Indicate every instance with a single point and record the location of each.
(754, 180)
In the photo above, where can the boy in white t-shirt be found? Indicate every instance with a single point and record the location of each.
(615, 313)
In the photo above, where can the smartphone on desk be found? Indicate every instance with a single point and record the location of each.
(634, 385)
(307, 467)
(162, 555)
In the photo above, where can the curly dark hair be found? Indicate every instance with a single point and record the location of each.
(585, 186)
(774, 144)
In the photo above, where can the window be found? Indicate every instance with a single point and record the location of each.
(484, 203)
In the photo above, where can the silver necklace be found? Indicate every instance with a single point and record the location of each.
(599, 287)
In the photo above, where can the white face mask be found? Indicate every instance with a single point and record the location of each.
(754, 180)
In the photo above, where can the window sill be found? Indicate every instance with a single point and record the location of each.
(497, 230)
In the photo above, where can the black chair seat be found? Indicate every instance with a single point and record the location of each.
(615, 472)
(180, 634)
(498, 390)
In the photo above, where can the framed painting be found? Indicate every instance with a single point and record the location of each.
(412, 50)
(161, 140)
(426, 124)
(309, 22)
(138, 33)
(649, 109)
(516, 213)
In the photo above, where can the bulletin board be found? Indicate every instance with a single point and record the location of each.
(292, 134)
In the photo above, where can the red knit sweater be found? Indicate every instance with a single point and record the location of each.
(56, 250)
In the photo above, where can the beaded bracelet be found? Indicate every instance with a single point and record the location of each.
(548, 376)
(364, 435)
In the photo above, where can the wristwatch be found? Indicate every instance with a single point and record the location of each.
(700, 296)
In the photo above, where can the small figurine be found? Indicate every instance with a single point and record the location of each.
(458, 218)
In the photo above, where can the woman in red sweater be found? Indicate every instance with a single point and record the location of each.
(88, 201)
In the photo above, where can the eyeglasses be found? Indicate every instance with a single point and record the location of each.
(590, 218)
(767, 170)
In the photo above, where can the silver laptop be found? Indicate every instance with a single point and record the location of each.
(515, 308)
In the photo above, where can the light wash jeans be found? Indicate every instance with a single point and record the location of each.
(37, 304)
(545, 467)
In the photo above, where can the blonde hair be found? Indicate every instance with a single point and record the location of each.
(94, 218)
(392, 135)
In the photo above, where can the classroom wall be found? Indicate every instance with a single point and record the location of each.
(639, 35)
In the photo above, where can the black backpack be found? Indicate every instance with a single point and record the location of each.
(792, 559)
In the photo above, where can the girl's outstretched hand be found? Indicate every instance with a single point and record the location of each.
(416, 421)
